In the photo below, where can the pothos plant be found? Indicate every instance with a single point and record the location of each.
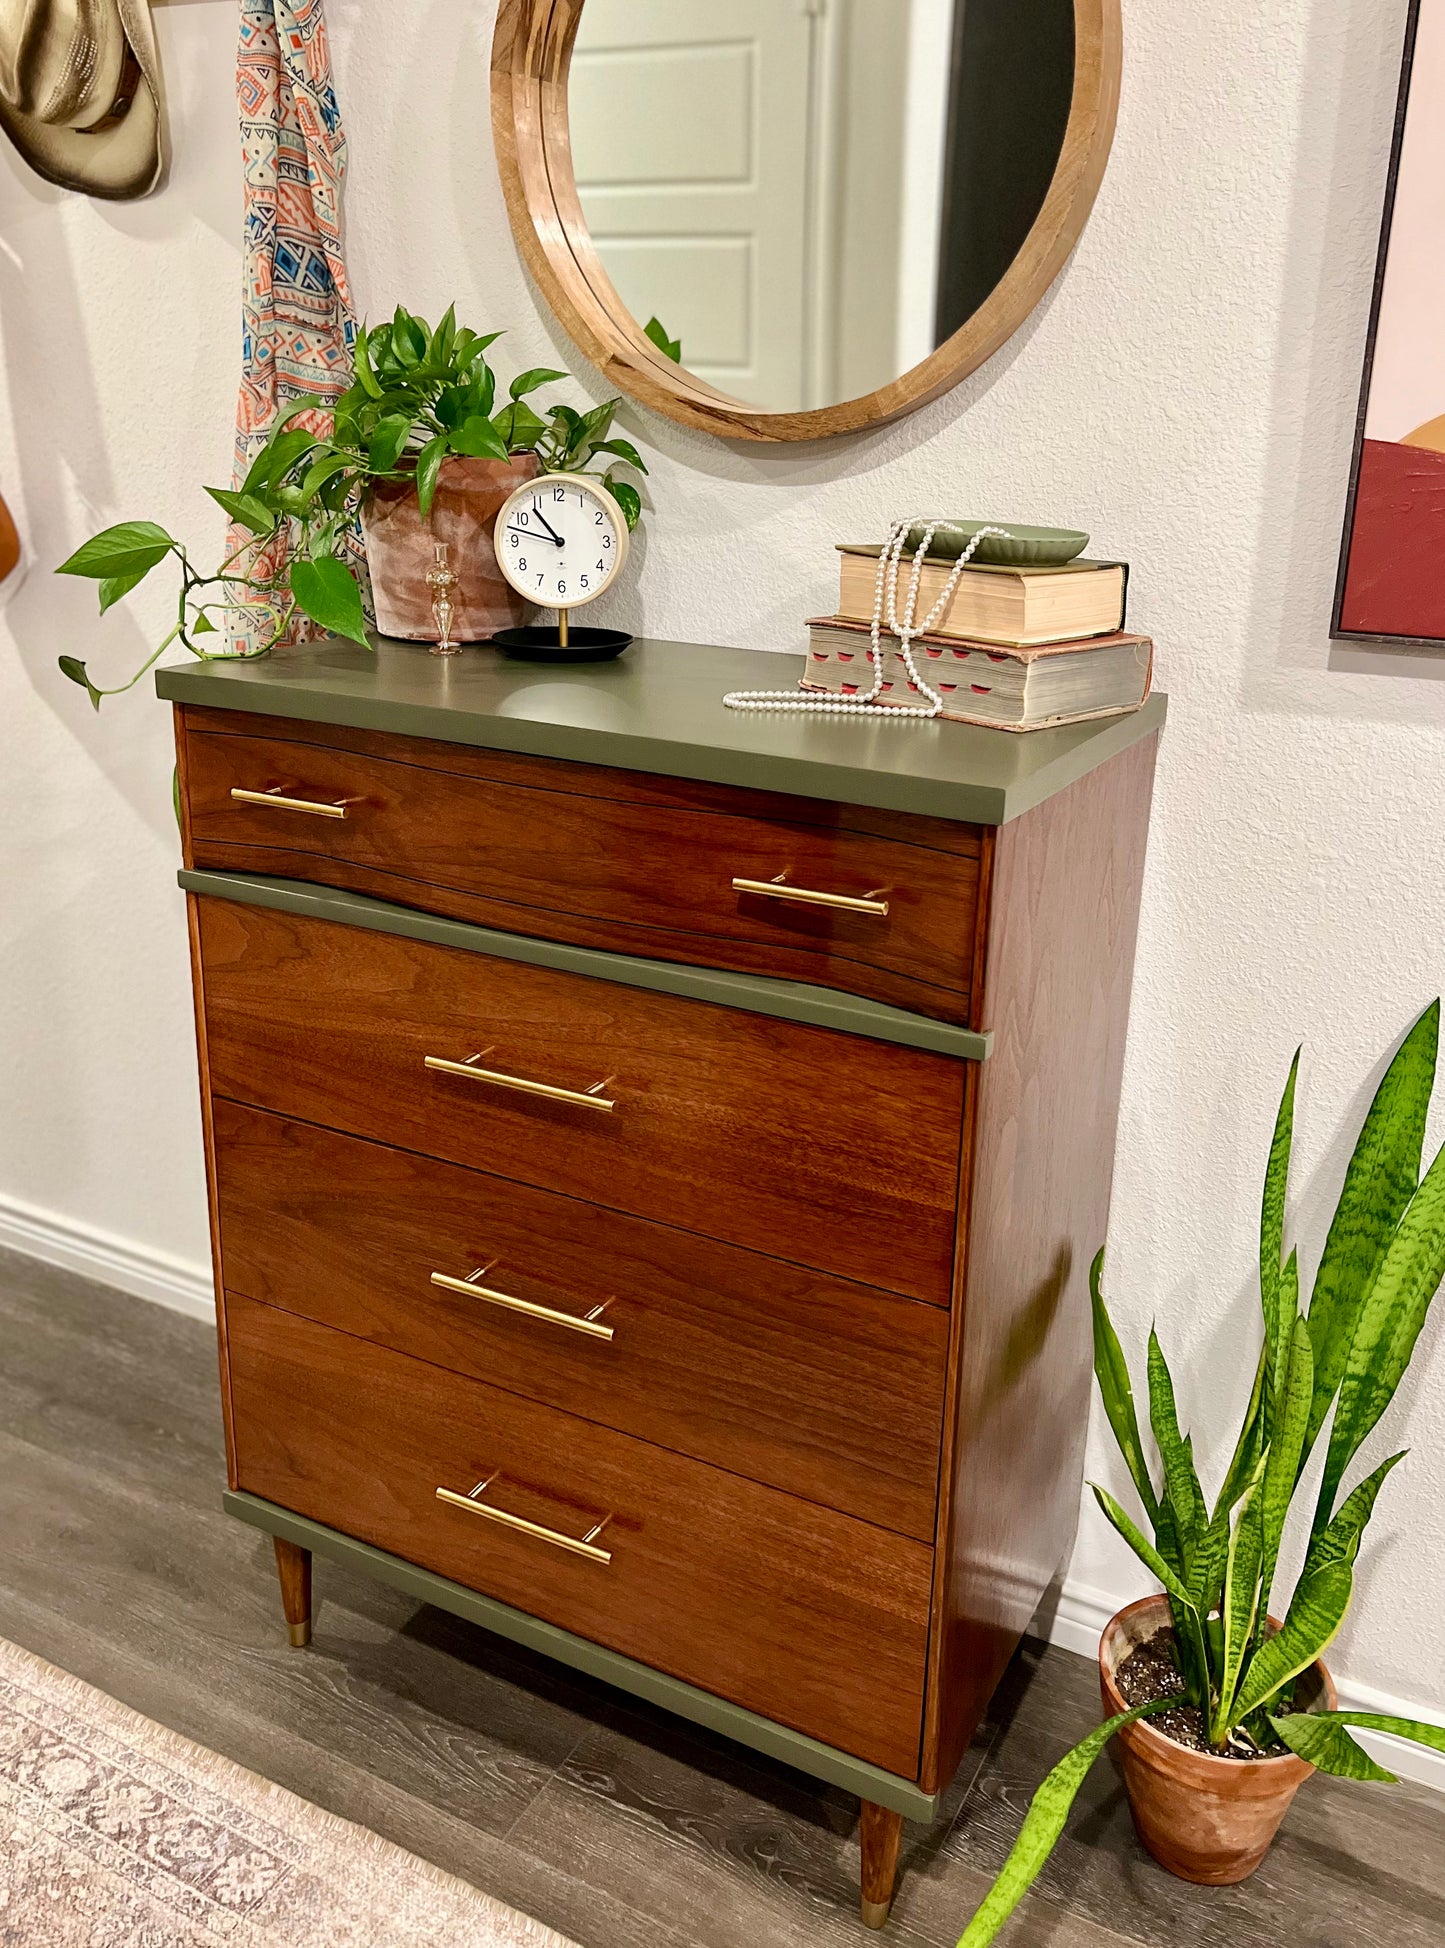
(1325, 1374)
(419, 395)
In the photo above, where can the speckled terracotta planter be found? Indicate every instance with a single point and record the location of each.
(1206, 1819)
(401, 547)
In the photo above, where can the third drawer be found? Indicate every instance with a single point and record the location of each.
(816, 1385)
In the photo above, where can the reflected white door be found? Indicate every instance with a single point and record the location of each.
(692, 140)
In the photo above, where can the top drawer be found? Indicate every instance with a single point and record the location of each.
(876, 903)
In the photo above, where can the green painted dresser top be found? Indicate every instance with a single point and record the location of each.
(659, 708)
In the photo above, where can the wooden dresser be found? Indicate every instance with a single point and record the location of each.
(655, 1156)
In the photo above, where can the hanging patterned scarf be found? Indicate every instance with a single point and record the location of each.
(298, 327)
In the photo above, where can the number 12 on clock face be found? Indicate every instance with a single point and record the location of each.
(560, 540)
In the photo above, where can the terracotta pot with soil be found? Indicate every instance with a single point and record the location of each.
(401, 547)
(1207, 1819)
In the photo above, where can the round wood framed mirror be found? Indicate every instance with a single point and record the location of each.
(785, 219)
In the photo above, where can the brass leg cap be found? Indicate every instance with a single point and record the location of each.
(300, 1635)
(875, 1913)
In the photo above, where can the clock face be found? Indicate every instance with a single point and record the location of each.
(560, 540)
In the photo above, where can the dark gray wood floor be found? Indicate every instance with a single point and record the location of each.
(607, 1820)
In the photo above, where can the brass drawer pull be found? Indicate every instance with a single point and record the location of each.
(579, 1098)
(337, 809)
(590, 1324)
(779, 889)
(575, 1545)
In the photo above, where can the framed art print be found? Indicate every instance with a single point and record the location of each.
(1391, 585)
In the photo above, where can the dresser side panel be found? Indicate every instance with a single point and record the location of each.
(1064, 916)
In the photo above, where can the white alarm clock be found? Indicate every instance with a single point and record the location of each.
(561, 539)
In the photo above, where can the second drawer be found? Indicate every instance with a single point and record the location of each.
(816, 1385)
(824, 1148)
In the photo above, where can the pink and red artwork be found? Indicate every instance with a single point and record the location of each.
(1392, 567)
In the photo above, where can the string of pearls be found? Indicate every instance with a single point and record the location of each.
(907, 629)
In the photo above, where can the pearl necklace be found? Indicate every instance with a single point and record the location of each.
(907, 630)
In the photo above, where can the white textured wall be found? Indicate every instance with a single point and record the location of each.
(1186, 393)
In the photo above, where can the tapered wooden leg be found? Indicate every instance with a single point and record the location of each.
(293, 1566)
(879, 1835)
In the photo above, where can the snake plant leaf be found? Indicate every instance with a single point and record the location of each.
(1047, 1814)
(1271, 1243)
(1248, 1447)
(1240, 1606)
(1186, 1498)
(1286, 1449)
(428, 466)
(1322, 1741)
(1315, 1615)
(1309, 1734)
(1142, 1547)
(1379, 1183)
(1389, 1323)
(1211, 1556)
(1340, 1541)
(327, 591)
(1116, 1390)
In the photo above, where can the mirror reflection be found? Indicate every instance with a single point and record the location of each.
(809, 196)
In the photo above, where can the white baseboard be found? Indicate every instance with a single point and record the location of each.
(1078, 1620)
(1078, 1623)
(97, 1255)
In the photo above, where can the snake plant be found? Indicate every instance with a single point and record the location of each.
(1324, 1377)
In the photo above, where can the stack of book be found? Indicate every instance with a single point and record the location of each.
(1016, 647)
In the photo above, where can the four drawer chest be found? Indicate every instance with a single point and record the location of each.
(655, 1155)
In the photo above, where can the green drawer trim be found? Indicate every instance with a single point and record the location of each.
(756, 993)
(685, 1700)
(660, 708)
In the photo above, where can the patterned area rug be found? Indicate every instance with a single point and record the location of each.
(116, 1833)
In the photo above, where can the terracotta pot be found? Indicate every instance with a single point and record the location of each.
(1206, 1819)
(401, 547)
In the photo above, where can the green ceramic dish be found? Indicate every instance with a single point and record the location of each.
(1029, 547)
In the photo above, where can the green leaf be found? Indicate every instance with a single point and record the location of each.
(623, 450)
(428, 466)
(245, 509)
(1313, 1734)
(325, 468)
(1047, 1814)
(1142, 1547)
(1380, 1181)
(115, 586)
(327, 591)
(130, 548)
(1116, 1390)
(202, 625)
(568, 419)
(1277, 1326)
(518, 427)
(361, 359)
(72, 667)
(539, 375)
(1186, 1499)
(384, 448)
(443, 338)
(480, 440)
(1240, 1606)
(669, 347)
(1286, 1449)
(1340, 1541)
(1315, 1615)
(277, 457)
(1248, 1447)
(628, 499)
(408, 338)
(1394, 1310)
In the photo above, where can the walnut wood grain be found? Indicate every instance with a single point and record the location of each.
(828, 1150)
(790, 1377)
(1064, 917)
(880, 1834)
(816, 1619)
(293, 1567)
(601, 870)
(531, 54)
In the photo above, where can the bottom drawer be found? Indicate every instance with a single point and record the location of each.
(809, 1617)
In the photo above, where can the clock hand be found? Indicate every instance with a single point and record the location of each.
(537, 510)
